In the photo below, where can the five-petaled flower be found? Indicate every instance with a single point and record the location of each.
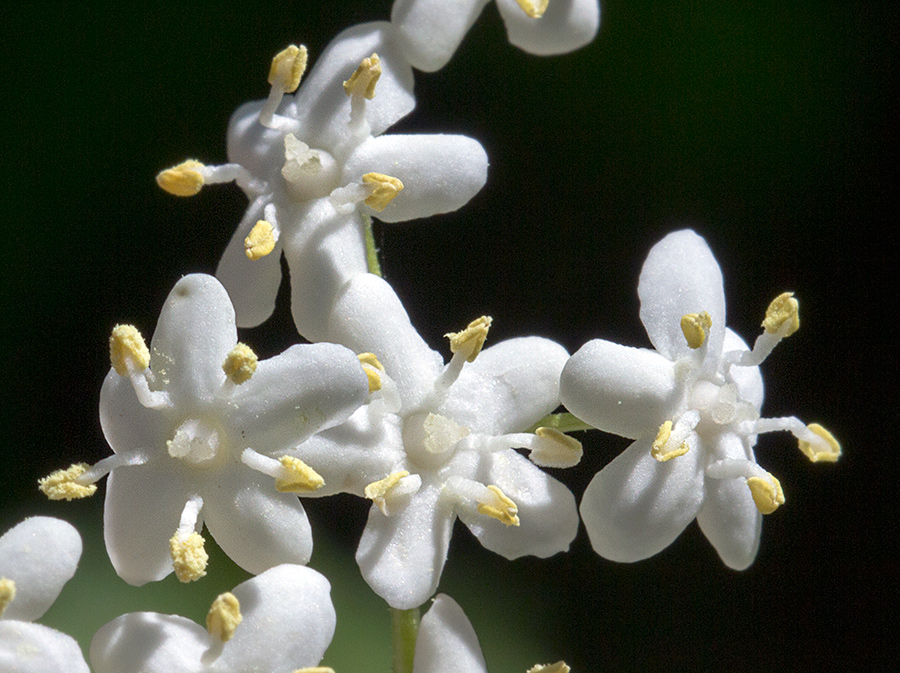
(692, 406)
(438, 442)
(313, 165)
(37, 557)
(199, 428)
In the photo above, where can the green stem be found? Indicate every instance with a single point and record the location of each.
(371, 251)
(404, 628)
(564, 422)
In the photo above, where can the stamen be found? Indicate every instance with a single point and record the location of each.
(553, 448)
(300, 477)
(240, 364)
(673, 442)
(362, 82)
(828, 450)
(767, 493)
(500, 507)
(261, 240)
(558, 667)
(127, 350)
(384, 189)
(62, 484)
(185, 179)
(372, 360)
(288, 67)
(470, 341)
(784, 310)
(7, 593)
(222, 620)
(393, 492)
(189, 558)
(534, 9)
(694, 326)
(373, 368)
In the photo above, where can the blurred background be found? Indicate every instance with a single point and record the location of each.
(768, 127)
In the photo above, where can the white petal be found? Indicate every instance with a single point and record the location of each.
(402, 556)
(509, 387)
(619, 389)
(324, 249)
(566, 26)
(368, 317)
(142, 511)
(440, 173)
(195, 332)
(150, 643)
(40, 555)
(307, 388)
(430, 30)
(635, 507)
(446, 642)
(729, 519)
(748, 380)
(257, 527)
(288, 622)
(681, 276)
(128, 425)
(323, 106)
(252, 285)
(34, 648)
(259, 149)
(546, 508)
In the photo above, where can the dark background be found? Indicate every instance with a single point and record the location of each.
(769, 127)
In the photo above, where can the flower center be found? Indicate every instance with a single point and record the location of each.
(195, 441)
(430, 439)
(309, 173)
(719, 404)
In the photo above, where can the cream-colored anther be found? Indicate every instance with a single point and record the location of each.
(7, 593)
(189, 557)
(260, 242)
(379, 491)
(288, 67)
(372, 367)
(362, 82)
(127, 344)
(61, 484)
(240, 364)
(501, 507)
(767, 493)
(471, 339)
(302, 479)
(185, 179)
(815, 451)
(558, 667)
(783, 309)
(556, 449)
(663, 448)
(372, 360)
(534, 9)
(695, 326)
(224, 617)
(384, 191)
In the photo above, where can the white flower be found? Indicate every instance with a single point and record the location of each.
(692, 406)
(187, 419)
(446, 642)
(37, 557)
(431, 30)
(436, 443)
(278, 622)
(314, 164)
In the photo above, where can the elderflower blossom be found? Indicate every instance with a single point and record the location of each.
(198, 427)
(278, 622)
(430, 31)
(436, 443)
(693, 408)
(37, 557)
(315, 164)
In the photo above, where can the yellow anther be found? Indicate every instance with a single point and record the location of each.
(373, 366)
(377, 491)
(223, 617)
(694, 326)
(783, 309)
(189, 558)
(558, 667)
(363, 81)
(240, 363)
(386, 188)
(61, 485)
(661, 449)
(7, 593)
(288, 67)
(534, 9)
(814, 452)
(767, 493)
(126, 343)
(185, 179)
(261, 241)
(303, 478)
(372, 360)
(471, 339)
(503, 508)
